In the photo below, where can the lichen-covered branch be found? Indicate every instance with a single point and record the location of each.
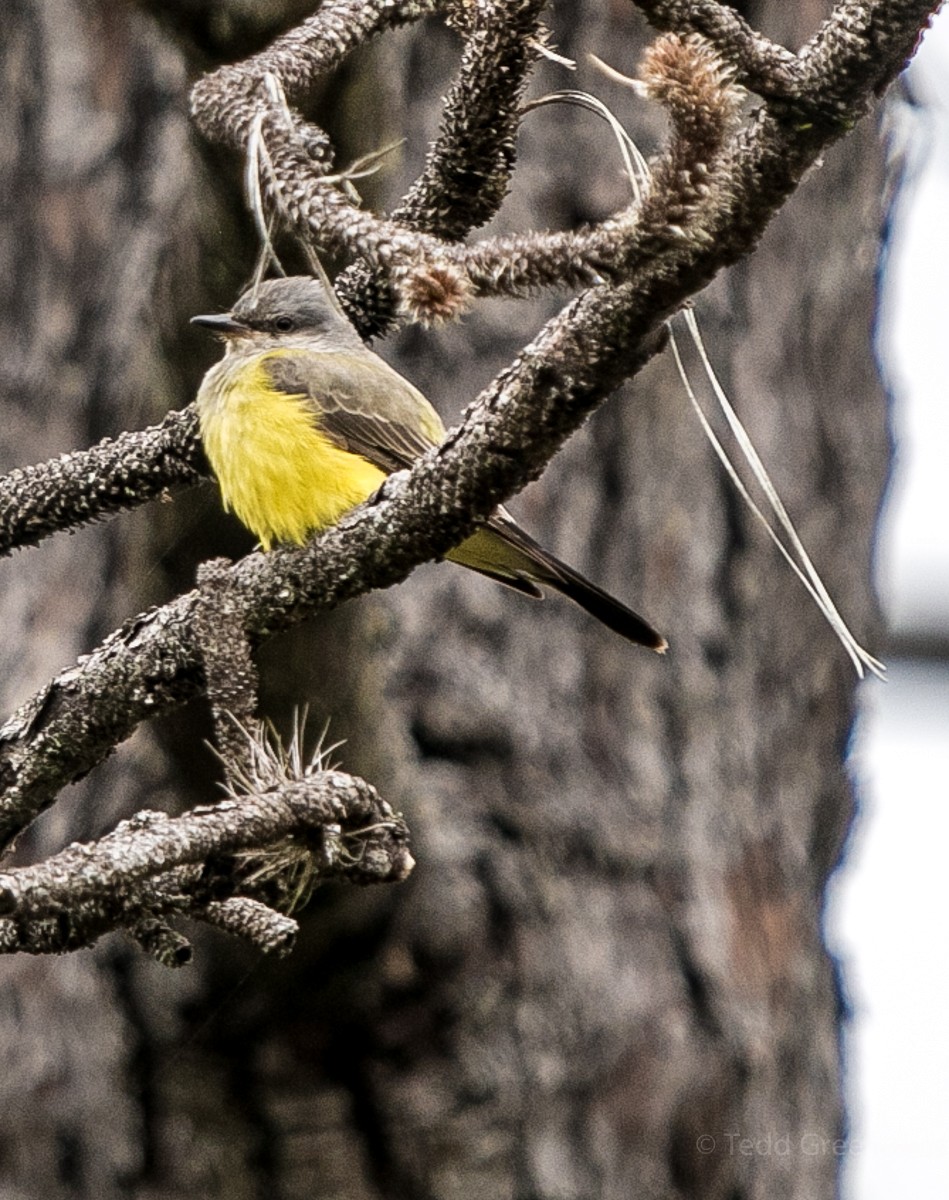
(229, 670)
(225, 103)
(849, 57)
(712, 193)
(155, 866)
(86, 485)
(468, 168)
(856, 54)
(271, 932)
(760, 65)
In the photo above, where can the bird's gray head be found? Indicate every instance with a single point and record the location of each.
(291, 312)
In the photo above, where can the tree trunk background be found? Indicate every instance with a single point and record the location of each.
(608, 967)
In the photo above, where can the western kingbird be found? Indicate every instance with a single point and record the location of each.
(301, 422)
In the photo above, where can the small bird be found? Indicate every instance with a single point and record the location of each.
(301, 422)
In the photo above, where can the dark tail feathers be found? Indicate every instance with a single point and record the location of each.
(601, 605)
(545, 568)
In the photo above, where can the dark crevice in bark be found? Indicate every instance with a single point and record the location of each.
(501, 913)
(467, 751)
(353, 1069)
(140, 1060)
(697, 986)
(245, 1093)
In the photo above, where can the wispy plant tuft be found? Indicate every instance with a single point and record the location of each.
(289, 870)
(668, 74)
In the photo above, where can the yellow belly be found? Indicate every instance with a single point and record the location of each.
(277, 472)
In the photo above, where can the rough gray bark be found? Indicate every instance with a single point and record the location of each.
(637, 957)
(92, 126)
(611, 948)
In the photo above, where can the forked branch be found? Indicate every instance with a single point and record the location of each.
(712, 192)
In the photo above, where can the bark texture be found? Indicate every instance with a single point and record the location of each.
(607, 976)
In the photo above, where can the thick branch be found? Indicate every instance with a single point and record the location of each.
(468, 168)
(153, 842)
(86, 485)
(760, 65)
(858, 51)
(506, 439)
(225, 103)
(848, 60)
(154, 865)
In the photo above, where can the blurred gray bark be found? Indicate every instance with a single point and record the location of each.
(608, 968)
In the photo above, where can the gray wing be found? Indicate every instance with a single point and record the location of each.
(369, 409)
(360, 403)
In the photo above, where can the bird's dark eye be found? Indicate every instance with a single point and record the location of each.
(283, 324)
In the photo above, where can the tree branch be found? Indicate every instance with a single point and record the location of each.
(225, 103)
(229, 670)
(468, 169)
(506, 439)
(153, 866)
(712, 194)
(851, 56)
(760, 65)
(86, 485)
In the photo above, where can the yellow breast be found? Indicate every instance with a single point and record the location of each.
(279, 474)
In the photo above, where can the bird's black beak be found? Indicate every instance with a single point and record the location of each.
(222, 323)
